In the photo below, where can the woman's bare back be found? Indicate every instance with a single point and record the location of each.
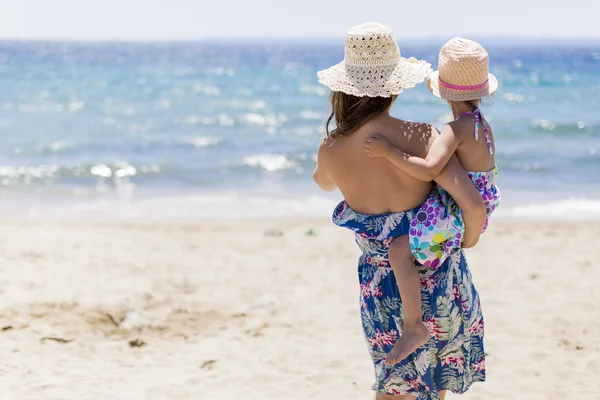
(373, 185)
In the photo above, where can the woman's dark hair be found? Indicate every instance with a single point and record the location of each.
(350, 112)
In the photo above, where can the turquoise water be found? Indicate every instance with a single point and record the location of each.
(203, 129)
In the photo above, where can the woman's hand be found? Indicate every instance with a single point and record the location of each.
(377, 146)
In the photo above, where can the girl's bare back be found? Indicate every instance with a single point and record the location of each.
(474, 151)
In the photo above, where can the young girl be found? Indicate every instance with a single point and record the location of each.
(437, 229)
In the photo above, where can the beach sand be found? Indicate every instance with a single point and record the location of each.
(269, 310)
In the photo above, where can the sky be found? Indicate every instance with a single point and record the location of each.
(200, 19)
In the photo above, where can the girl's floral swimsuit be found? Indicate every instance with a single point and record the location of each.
(437, 229)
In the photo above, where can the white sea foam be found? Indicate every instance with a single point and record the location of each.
(516, 97)
(263, 120)
(311, 115)
(572, 208)
(10, 174)
(59, 145)
(192, 120)
(307, 130)
(247, 104)
(544, 124)
(269, 162)
(313, 90)
(225, 120)
(202, 141)
(209, 90)
(224, 205)
(76, 105)
(101, 170)
(234, 205)
(259, 119)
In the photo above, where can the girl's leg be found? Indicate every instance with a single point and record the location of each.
(415, 333)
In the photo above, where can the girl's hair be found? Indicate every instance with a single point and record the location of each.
(350, 112)
(473, 104)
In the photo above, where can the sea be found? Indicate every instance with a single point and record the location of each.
(230, 129)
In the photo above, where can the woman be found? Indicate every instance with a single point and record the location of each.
(379, 204)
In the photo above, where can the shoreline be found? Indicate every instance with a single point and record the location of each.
(247, 206)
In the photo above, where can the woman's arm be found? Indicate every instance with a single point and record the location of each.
(320, 174)
(425, 169)
(455, 181)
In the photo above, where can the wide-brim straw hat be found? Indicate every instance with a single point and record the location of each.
(463, 72)
(373, 66)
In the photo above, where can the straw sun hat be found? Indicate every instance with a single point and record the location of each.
(463, 72)
(372, 65)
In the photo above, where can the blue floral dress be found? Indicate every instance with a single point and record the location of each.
(454, 357)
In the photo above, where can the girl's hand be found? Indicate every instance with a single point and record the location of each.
(377, 146)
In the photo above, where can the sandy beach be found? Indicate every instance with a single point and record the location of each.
(268, 310)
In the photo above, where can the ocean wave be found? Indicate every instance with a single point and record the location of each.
(26, 175)
(209, 90)
(56, 146)
(270, 162)
(201, 141)
(545, 125)
(120, 170)
(262, 120)
(225, 120)
(514, 97)
(239, 205)
(247, 104)
(197, 120)
(572, 208)
(306, 130)
(219, 71)
(222, 205)
(311, 115)
(313, 90)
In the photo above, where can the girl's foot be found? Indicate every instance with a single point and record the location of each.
(412, 338)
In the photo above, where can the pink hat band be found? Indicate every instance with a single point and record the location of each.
(459, 87)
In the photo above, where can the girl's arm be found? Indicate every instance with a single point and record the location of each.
(455, 180)
(425, 169)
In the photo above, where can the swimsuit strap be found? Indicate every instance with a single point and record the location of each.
(478, 119)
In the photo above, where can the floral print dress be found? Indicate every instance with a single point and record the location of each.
(437, 228)
(454, 357)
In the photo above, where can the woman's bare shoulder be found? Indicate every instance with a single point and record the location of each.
(414, 129)
(327, 147)
(327, 142)
(412, 137)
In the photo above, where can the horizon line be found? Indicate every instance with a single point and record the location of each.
(298, 39)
